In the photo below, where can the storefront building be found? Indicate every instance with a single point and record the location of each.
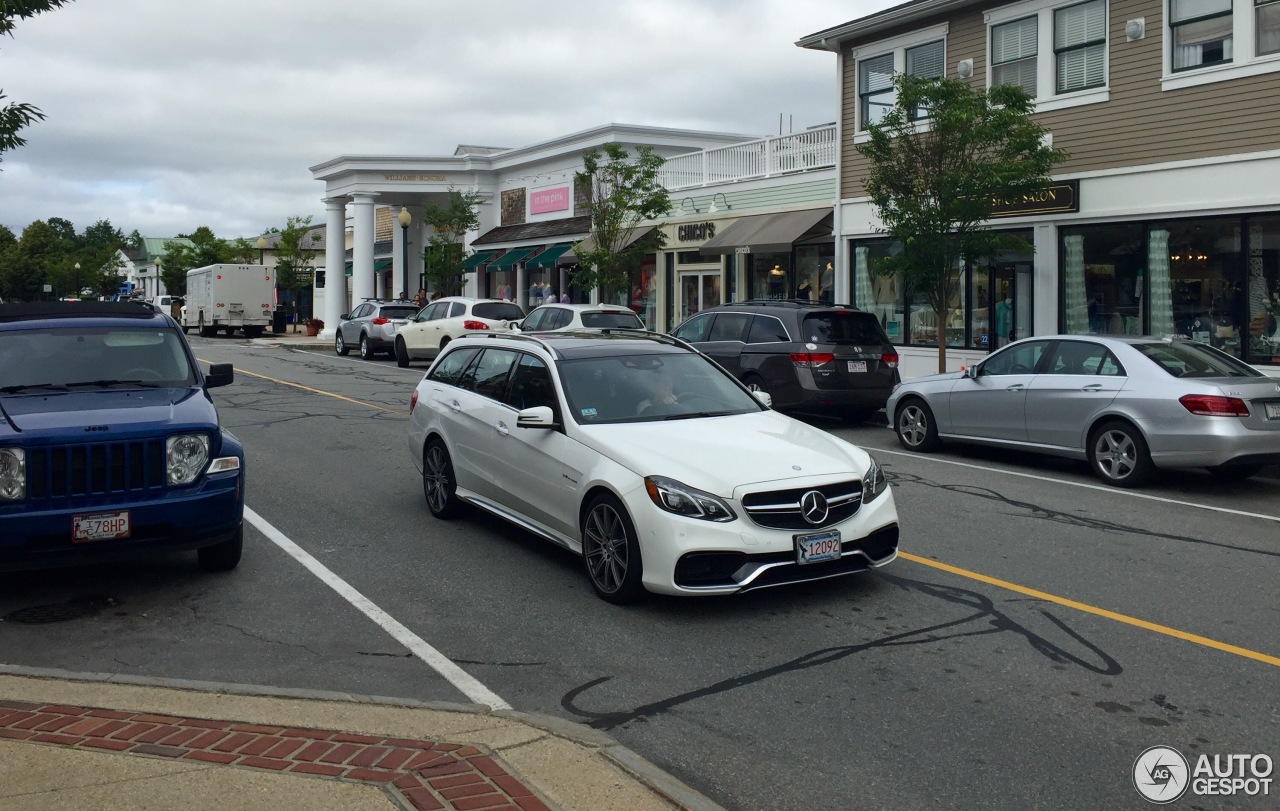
(1165, 218)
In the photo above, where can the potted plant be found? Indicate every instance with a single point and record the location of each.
(313, 325)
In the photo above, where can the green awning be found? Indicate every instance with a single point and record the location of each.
(476, 259)
(508, 259)
(381, 264)
(547, 259)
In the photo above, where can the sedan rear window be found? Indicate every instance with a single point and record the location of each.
(497, 311)
(1195, 360)
(842, 327)
(618, 320)
(398, 312)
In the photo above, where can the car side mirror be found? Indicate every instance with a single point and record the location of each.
(344, 316)
(220, 374)
(764, 398)
(971, 372)
(537, 417)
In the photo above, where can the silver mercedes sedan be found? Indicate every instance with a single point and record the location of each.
(1126, 404)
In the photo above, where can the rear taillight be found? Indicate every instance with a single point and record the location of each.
(1207, 405)
(474, 325)
(413, 400)
(811, 359)
(890, 359)
(379, 320)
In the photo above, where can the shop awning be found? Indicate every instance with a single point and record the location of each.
(378, 264)
(766, 233)
(547, 259)
(508, 259)
(475, 260)
(570, 257)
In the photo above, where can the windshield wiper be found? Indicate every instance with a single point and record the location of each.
(110, 382)
(30, 386)
(700, 414)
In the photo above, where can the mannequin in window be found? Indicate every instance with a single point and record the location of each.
(804, 292)
(1004, 319)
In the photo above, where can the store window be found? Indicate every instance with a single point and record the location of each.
(1195, 280)
(644, 291)
(815, 273)
(771, 276)
(877, 293)
(1262, 289)
(923, 320)
(1102, 279)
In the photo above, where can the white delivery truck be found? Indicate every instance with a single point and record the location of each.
(228, 298)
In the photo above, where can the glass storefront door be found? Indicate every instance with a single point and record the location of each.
(698, 290)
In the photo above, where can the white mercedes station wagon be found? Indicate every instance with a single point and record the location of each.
(646, 458)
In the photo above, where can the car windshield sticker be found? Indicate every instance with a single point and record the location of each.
(588, 412)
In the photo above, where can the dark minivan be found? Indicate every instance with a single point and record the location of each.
(825, 358)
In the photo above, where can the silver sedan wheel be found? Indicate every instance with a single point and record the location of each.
(913, 425)
(605, 548)
(1116, 454)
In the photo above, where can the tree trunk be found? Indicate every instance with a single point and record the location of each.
(942, 340)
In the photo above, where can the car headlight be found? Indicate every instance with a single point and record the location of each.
(682, 499)
(873, 481)
(13, 474)
(185, 456)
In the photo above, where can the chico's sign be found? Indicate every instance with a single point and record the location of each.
(695, 231)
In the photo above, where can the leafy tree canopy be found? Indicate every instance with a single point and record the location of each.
(939, 161)
(205, 249)
(624, 192)
(444, 258)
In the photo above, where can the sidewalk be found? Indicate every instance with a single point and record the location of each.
(103, 741)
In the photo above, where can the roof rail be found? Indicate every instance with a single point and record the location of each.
(796, 302)
(515, 336)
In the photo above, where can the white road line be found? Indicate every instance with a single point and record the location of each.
(1115, 491)
(438, 662)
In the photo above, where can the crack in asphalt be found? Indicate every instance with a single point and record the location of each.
(983, 609)
(265, 639)
(1060, 517)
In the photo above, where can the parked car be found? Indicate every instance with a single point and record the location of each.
(825, 358)
(372, 326)
(443, 320)
(551, 317)
(110, 445)
(571, 436)
(1127, 404)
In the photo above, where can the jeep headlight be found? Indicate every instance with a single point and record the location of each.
(873, 482)
(682, 499)
(185, 456)
(13, 474)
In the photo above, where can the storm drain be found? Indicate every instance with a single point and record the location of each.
(61, 612)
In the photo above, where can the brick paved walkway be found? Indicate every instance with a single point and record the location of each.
(429, 775)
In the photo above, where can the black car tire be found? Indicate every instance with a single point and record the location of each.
(366, 349)
(401, 353)
(915, 426)
(611, 551)
(340, 346)
(222, 557)
(1119, 456)
(1234, 473)
(439, 486)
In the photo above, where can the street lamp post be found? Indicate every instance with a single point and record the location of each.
(262, 246)
(77, 280)
(144, 287)
(404, 219)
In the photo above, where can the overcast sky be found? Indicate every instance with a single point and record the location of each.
(164, 115)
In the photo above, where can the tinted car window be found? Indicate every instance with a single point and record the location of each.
(842, 327)
(1018, 359)
(766, 329)
(615, 319)
(434, 312)
(456, 308)
(497, 311)
(398, 312)
(488, 375)
(361, 311)
(1195, 360)
(449, 369)
(558, 318)
(1076, 358)
(533, 321)
(694, 330)
(730, 327)
(531, 385)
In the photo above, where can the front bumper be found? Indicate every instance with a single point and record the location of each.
(39, 535)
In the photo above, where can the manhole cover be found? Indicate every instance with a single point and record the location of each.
(60, 612)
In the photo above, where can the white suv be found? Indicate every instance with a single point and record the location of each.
(451, 317)
(551, 317)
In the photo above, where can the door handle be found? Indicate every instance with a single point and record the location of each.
(1092, 387)
(1014, 387)
(455, 405)
(502, 429)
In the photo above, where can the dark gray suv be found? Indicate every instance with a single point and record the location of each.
(825, 358)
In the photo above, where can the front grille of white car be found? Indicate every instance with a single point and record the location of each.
(781, 509)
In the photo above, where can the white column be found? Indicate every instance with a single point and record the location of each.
(363, 284)
(520, 294)
(1045, 281)
(398, 272)
(335, 273)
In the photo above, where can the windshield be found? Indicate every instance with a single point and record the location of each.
(650, 387)
(89, 357)
(1195, 360)
(616, 319)
(842, 327)
(497, 311)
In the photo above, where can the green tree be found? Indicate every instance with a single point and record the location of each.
(624, 193)
(295, 257)
(32, 262)
(205, 249)
(15, 116)
(444, 258)
(940, 160)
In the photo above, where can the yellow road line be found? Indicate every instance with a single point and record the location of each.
(1101, 612)
(308, 388)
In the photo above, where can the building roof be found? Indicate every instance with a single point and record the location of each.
(862, 27)
(313, 240)
(536, 232)
(154, 246)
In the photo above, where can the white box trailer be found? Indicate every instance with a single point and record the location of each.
(228, 298)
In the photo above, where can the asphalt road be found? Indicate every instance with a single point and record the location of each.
(1037, 634)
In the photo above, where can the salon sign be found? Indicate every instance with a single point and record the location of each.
(544, 201)
(1060, 197)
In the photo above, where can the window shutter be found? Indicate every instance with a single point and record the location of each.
(1013, 41)
(926, 61)
(1077, 25)
(875, 74)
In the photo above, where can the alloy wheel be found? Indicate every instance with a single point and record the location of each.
(437, 479)
(1116, 454)
(913, 425)
(605, 548)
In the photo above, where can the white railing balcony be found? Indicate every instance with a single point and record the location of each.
(767, 157)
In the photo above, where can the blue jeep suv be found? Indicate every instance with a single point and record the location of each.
(110, 446)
